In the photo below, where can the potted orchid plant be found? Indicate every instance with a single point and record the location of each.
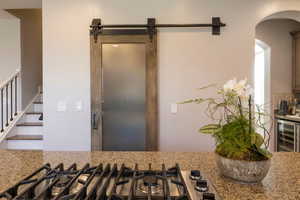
(240, 132)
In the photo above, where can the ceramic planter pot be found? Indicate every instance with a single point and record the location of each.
(243, 171)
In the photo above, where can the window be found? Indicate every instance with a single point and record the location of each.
(262, 80)
(259, 75)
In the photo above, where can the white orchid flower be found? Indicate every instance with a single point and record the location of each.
(230, 85)
(249, 90)
(241, 88)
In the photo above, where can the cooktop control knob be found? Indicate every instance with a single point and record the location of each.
(208, 196)
(195, 175)
(201, 186)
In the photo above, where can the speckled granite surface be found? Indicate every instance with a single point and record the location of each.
(282, 182)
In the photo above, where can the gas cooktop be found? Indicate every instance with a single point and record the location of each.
(110, 182)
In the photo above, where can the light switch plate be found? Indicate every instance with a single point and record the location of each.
(61, 106)
(79, 106)
(174, 108)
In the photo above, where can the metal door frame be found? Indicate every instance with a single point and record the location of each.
(124, 36)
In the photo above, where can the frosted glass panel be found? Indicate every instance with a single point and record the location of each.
(124, 94)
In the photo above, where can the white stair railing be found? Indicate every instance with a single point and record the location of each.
(9, 101)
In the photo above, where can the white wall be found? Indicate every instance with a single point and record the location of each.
(31, 51)
(10, 55)
(188, 58)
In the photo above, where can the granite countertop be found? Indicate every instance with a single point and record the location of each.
(282, 182)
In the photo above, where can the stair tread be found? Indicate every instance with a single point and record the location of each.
(33, 113)
(30, 124)
(38, 102)
(25, 137)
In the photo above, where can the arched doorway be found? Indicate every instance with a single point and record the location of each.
(273, 61)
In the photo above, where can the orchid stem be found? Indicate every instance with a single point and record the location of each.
(250, 115)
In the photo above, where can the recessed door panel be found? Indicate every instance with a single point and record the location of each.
(124, 97)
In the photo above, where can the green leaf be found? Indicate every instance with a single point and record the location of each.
(187, 101)
(209, 129)
(205, 87)
(264, 152)
(257, 139)
(196, 100)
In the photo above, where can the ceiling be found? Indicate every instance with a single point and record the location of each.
(12, 4)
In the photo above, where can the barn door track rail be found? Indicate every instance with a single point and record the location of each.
(151, 27)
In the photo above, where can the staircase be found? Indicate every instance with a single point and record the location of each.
(28, 132)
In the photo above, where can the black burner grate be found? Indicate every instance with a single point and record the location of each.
(103, 182)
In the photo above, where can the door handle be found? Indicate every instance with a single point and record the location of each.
(95, 120)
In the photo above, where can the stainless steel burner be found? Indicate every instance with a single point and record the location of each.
(60, 185)
(153, 188)
(77, 186)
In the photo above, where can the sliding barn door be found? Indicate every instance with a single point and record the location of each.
(124, 92)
